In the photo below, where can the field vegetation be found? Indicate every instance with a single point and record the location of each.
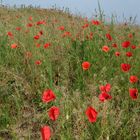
(65, 77)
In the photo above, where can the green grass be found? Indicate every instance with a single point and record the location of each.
(22, 82)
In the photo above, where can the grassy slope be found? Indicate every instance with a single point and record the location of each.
(22, 83)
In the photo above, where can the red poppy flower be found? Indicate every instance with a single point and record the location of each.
(105, 88)
(125, 67)
(108, 36)
(117, 53)
(126, 44)
(36, 37)
(129, 54)
(130, 35)
(13, 46)
(105, 48)
(29, 25)
(85, 65)
(18, 28)
(40, 32)
(54, 113)
(41, 22)
(66, 34)
(133, 47)
(10, 34)
(85, 26)
(95, 22)
(114, 45)
(104, 96)
(133, 93)
(38, 45)
(46, 133)
(133, 79)
(61, 28)
(38, 62)
(30, 18)
(91, 114)
(48, 96)
(47, 45)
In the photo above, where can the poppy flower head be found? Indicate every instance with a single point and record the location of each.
(133, 47)
(126, 44)
(85, 26)
(30, 18)
(129, 54)
(54, 113)
(114, 45)
(130, 35)
(104, 96)
(133, 92)
(47, 45)
(133, 79)
(45, 133)
(14, 46)
(36, 37)
(85, 65)
(18, 28)
(125, 67)
(95, 22)
(38, 45)
(29, 25)
(38, 62)
(91, 113)
(66, 33)
(40, 32)
(109, 37)
(105, 88)
(10, 34)
(61, 28)
(105, 48)
(48, 96)
(41, 22)
(117, 53)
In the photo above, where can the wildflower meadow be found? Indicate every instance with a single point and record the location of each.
(66, 77)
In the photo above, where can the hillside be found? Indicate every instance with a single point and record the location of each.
(88, 70)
